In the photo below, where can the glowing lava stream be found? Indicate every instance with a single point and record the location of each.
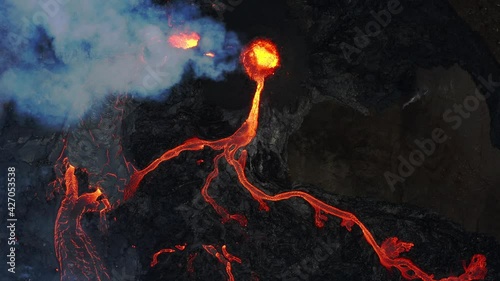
(74, 249)
(260, 60)
(226, 259)
(167, 250)
(76, 254)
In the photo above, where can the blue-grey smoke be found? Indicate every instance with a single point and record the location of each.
(60, 57)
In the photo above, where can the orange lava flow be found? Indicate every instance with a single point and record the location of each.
(77, 256)
(162, 251)
(167, 250)
(225, 258)
(184, 40)
(260, 59)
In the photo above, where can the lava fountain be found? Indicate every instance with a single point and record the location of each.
(260, 59)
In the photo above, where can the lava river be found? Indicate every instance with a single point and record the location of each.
(260, 59)
(78, 258)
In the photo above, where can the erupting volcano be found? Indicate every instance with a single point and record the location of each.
(253, 140)
(76, 252)
(260, 59)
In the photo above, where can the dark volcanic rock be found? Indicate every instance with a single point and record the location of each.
(425, 34)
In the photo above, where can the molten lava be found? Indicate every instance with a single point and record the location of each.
(166, 250)
(260, 59)
(75, 251)
(225, 258)
(184, 40)
(162, 251)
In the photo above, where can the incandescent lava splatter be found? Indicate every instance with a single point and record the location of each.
(260, 59)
